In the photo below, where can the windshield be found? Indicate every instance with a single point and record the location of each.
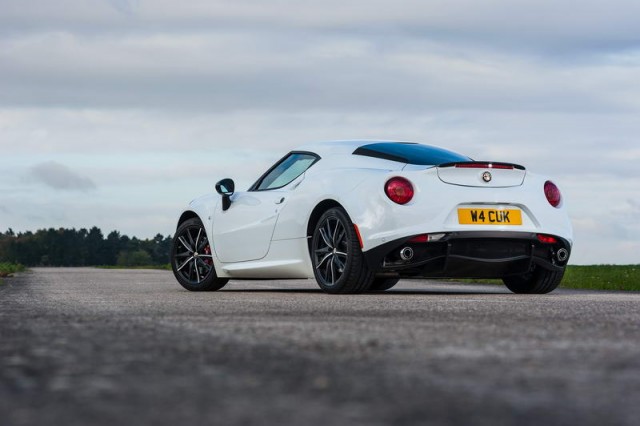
(285, 171)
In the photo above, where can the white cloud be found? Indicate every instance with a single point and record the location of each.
(149, 103)
(222, 70)
(59, 176)
(545, 24)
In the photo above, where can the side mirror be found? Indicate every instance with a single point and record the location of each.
(225, 187)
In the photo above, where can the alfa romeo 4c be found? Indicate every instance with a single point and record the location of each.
(358, 216)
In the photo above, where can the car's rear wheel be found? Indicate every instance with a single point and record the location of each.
(192, 258)
(383, 284)
(539, 281)
(338, 263)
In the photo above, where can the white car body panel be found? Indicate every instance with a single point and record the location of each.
(471, 177)
(282, 262)
(422, 215)
(244, 232)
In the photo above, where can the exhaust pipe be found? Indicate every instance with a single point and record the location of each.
(562, 255)
(406, 254)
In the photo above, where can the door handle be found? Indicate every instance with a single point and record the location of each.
(280, 201)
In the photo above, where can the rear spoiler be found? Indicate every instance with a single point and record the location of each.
(482, 165)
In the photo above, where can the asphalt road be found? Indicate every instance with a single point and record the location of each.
(88, 346)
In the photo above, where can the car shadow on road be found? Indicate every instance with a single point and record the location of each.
(424, 292)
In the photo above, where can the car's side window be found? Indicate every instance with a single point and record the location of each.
(286, 171)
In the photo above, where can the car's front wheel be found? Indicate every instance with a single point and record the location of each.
(338, 263)
(539, 281)
(192, 259)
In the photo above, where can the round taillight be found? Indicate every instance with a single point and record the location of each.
(552, 193)
(399, 190)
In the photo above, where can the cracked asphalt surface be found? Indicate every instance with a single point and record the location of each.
(87, 346)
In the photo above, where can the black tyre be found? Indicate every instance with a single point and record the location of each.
(338, 262)
(383, 284)
(539, 281)
(192, 260)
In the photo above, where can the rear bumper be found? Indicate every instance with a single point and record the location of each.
(472, 254)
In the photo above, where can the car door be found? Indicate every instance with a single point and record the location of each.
(243, 231)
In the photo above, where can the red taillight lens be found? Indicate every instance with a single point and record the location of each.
(552, 193)
(399, 190)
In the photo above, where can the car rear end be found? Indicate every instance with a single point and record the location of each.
(463, 219)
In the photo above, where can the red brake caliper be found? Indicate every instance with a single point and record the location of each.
(207, 250)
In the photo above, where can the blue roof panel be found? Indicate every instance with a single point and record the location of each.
(411, 153)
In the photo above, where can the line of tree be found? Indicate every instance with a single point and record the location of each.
(82, 247)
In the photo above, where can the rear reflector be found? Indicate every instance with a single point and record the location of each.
(358, 235)
(425, 238)
(547, 239)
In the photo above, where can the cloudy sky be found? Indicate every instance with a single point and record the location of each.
(116, 113)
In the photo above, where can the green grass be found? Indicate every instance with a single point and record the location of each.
(7, 269)
(602, 277)
(592, 277)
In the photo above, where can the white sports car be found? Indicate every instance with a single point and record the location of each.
(359, 215)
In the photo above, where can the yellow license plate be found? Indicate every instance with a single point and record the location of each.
(489, 217)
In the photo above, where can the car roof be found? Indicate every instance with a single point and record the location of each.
(339, 147)
(401, 152)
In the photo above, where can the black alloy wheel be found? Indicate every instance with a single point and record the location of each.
(338, 262)
(539, 281)
(192, 258)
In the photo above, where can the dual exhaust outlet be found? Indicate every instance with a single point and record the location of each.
(406, 254)
(562, 255)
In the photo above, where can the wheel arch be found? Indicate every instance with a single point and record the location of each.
(189, 214)
(317, 211)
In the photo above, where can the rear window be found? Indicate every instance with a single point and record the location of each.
(411, 153)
